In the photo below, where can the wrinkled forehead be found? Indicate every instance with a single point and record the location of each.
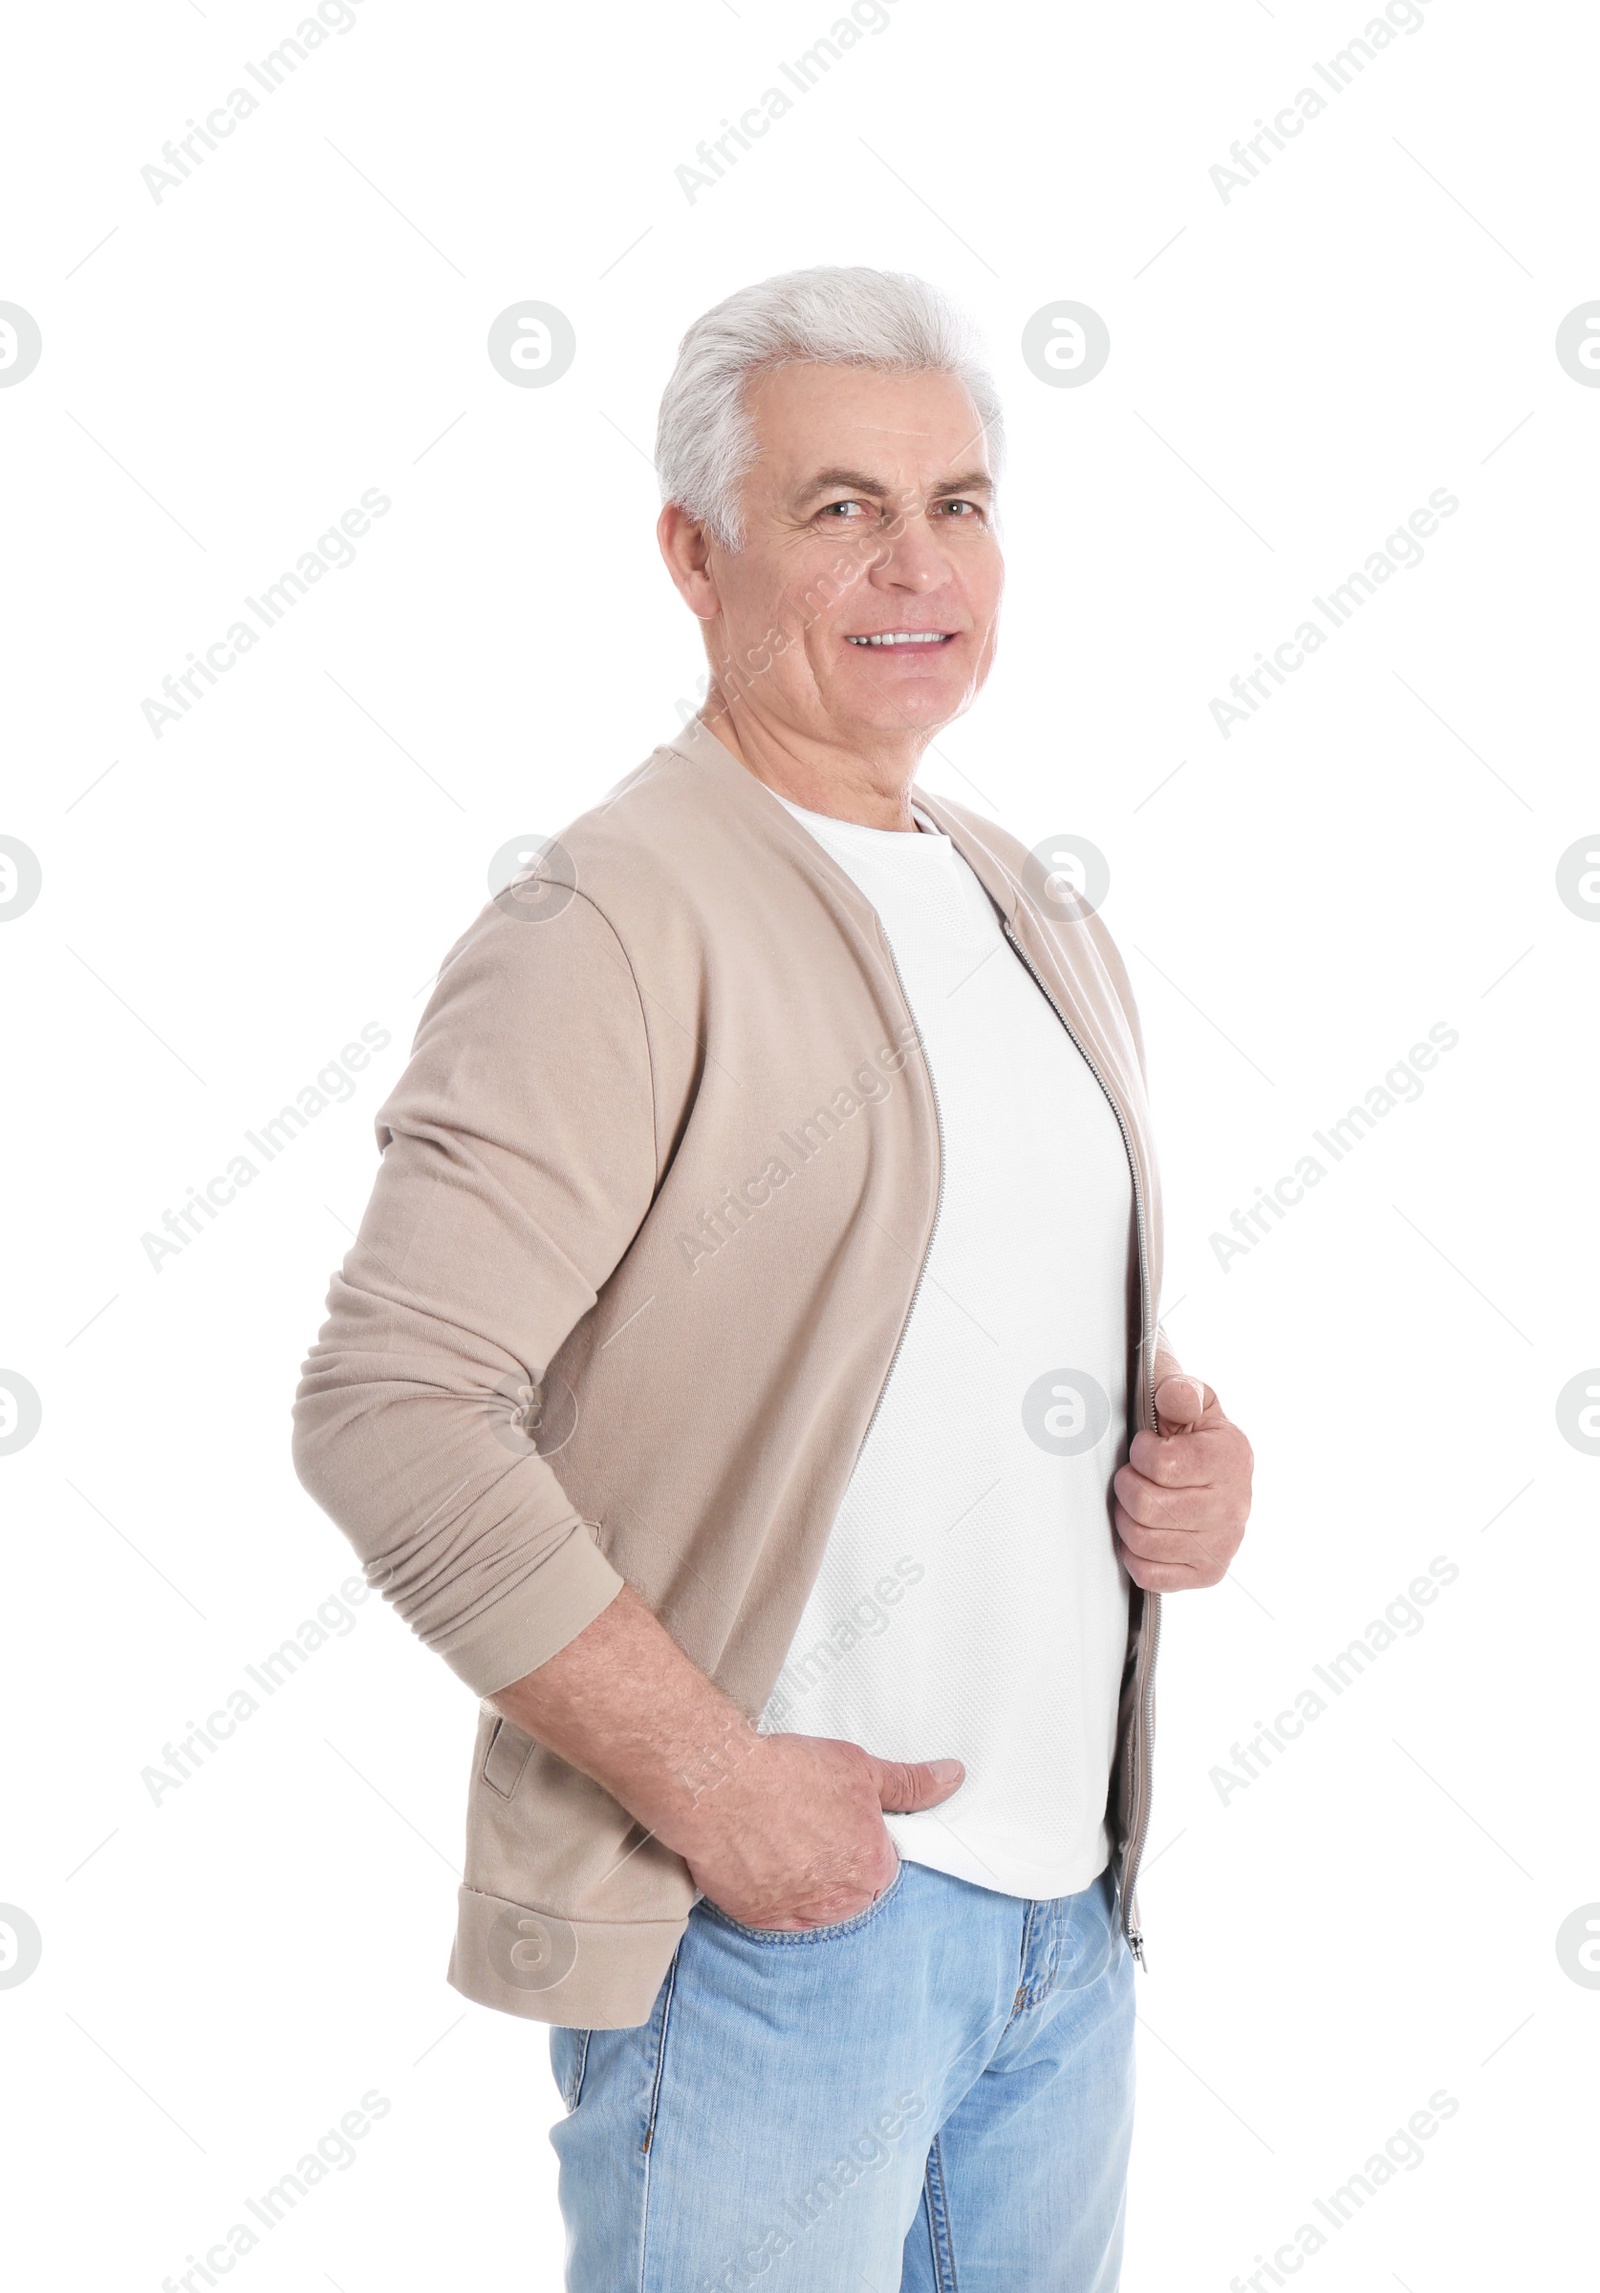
(886, 433)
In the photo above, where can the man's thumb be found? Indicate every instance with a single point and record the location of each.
(1180, 1404)
(904, 1786)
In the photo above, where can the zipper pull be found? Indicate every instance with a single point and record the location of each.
(1136, 1945)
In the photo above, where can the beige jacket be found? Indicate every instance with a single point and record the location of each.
(655, 1193)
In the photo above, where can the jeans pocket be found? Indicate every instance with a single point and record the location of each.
(569, 2052)
(825, 1934)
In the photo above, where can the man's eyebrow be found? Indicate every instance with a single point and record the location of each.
(970, 482)
(859, 482)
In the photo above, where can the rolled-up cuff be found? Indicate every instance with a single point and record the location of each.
(585, 1975)
(530, 1624)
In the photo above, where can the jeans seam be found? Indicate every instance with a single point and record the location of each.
(1041, 1989)
(1022, 2001)
(582, 2065)
(944, 2260)
(650, 2124)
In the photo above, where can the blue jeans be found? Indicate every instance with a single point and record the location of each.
(935, 2094)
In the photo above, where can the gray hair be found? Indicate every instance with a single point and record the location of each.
(887, 321)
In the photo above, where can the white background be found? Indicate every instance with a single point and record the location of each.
(1292, 372)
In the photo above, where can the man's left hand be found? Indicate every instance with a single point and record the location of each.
(1183, 1497)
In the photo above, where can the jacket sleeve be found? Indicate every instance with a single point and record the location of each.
(518, 1162)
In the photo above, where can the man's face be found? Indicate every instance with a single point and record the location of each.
(868, 515)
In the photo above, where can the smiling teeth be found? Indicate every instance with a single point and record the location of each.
(905, 637)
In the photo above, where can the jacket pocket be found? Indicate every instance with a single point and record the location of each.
(506, 1758)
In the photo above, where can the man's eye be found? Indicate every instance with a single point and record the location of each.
(962, 508)
(844, 513)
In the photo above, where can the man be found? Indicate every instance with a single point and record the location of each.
(747, 1377)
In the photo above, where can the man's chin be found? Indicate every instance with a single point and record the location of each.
(918, 707)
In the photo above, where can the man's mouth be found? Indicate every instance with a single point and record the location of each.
(905, 637)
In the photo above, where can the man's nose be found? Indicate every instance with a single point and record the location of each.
(911, 557)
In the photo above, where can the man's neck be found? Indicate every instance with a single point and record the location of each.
(873, 790)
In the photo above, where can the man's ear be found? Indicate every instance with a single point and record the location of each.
(686, 549)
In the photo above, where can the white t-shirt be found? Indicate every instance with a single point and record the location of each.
(970, 1601)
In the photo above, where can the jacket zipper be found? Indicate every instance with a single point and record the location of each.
(1150, 1630)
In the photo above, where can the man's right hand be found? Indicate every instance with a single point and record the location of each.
(778, 1831)
(792, 1834)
